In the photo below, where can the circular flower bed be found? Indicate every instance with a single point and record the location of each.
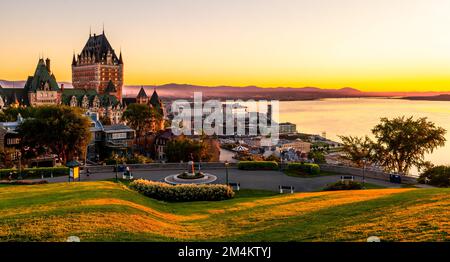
(186, 175)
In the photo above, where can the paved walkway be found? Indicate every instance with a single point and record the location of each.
(267, 180)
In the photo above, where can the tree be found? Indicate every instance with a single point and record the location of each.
(272, 158)
(402, 143)
(319, 157)
(181, 148)
(6, 157)
(436, 176)
(105, 120)
(141, 118)
(357, 149)
(61, 129)
(10, 114)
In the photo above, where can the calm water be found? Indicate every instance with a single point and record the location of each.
(359, 116)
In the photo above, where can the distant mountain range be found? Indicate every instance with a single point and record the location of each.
(171, 91)
(247, 92)
(441, 97)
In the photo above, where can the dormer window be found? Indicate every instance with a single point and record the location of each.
(73, 101)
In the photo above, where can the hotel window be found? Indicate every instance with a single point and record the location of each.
(13, 141)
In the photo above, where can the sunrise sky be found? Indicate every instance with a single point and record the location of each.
(372, 45)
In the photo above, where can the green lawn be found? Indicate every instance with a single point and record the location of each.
(108, 211)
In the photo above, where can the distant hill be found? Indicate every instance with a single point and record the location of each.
(442, 97)
(171, 91)
(246, 92)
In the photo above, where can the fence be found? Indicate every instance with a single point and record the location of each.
(368, 173)
(162, 166)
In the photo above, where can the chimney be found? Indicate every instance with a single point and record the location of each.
(47, 64)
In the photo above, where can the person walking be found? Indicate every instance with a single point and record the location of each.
(127, 172)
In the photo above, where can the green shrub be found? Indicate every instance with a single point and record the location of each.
(258, 165)
(436, 176)
(134, 159)
(347, 185)
(35, 172)
(308, 168)
(319, 157)
(138, 159)
(182, 193)
(24, 182)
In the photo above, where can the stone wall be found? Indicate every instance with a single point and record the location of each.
(162, 166)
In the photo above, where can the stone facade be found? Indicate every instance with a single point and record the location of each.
(106, 106)
(96, 66)
(40, 89)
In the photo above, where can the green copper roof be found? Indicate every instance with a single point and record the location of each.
(111, 88)
(154, 100)
(42, 79)
(105, 99)
(142, 93)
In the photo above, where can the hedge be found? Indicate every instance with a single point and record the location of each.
(182, 193)
(310, 168)
(23, 182)
(258, 165)
(348, 185)
(36, 172)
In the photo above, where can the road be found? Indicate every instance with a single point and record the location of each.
(267, 180)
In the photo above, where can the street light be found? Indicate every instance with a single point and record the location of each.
(226, 171)
(20, 164)
(117, 170)
(364, 172)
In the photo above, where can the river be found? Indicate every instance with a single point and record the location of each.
(357, 116)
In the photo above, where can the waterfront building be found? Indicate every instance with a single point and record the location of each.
(297, 145)
(287, 128)
(97, 66)
(107, 106)
(40, 89)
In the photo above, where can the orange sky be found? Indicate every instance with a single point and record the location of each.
(384, 45)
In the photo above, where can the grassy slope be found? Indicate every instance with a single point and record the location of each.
(102, 211)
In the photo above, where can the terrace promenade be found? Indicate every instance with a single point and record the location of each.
(266, 180)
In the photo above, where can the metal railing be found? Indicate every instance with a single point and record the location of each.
(159, 166)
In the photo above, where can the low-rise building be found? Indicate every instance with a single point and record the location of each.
(287, 128)
(108, 139)
(117, 139)
(297, 145)
(10, 140)
(161, 140)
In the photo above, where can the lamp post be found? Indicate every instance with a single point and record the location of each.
(226, 171)
(117, 170)
(364, 172)
(20, 164)
(85, 161)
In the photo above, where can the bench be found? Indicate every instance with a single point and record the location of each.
(289, 188)
(347, 178)
(235, 186)
(127, 176)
